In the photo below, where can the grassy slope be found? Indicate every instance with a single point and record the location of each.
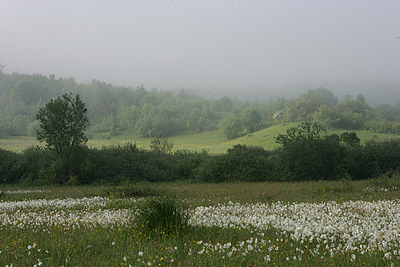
(210, 141)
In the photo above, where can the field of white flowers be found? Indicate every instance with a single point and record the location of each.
(92, 232)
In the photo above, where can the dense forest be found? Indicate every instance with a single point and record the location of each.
(151, 113)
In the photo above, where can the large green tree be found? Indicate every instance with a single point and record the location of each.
(303, 107)
(62, 124)
(251, 119)
(231, 127)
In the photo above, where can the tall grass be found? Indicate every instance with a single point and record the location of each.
(163, 214)
(97, 236)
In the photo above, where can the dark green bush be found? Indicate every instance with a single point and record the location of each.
(305, 154)
(384, 156)
(32, 161)
(9, 171)
(211, 170)
(185, 163)
(240, 163)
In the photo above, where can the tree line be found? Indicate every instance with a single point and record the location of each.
(149, 113)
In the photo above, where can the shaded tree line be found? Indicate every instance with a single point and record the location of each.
(111, 109)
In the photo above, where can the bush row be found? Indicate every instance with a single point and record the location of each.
(329, 157)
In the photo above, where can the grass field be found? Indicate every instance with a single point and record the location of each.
(344, 223)
(209, 141)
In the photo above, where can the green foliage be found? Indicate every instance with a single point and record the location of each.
(20, 124)
(308, 131)
(154, 121)
(325, 95)
(303, 107)
(33, 128)
(163, 214)
(382, 126)
(231, 127)
(185, 163)
(9, 173)
(62, 124)
(224, 104)
(240, 163)
(350, 139)
(388, 180)
(161, 145)
(345, 184)
(306, 155)
(251, 119)
(387, 112)
(327, 115)
(384, 156)
(196, 120)
(34, 164)
(350, 120)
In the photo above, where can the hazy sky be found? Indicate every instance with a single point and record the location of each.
(205, 45)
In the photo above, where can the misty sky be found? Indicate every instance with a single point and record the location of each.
(227, 46)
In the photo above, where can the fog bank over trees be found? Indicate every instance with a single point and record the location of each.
(375, 91)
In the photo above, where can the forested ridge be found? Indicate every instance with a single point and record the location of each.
(150, 113)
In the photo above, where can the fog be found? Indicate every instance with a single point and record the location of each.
(246, 49)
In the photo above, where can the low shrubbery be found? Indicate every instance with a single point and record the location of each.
(306, 153)
(240, 163)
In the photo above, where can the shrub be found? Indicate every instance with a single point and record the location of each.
(163, 214)
(113, 165)
(161, 145)
(211, 170)
(240, 163)
(34, 162)
(9, 171)
(307, 155)
(185, 162)
(386, 180)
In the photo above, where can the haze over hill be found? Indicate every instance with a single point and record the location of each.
(250, 49)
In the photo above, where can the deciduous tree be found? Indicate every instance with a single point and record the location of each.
(62, 124)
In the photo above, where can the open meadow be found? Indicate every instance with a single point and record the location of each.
(343, 223)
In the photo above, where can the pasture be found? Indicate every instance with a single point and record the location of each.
(343, 223)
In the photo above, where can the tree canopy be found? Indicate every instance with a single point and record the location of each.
(62, 124)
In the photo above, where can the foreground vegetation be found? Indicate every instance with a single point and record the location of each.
(248, 224)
